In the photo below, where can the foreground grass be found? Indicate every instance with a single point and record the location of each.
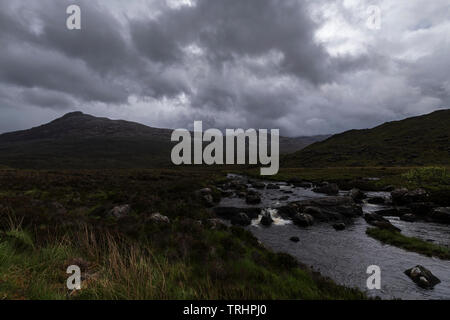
(50, 220)
(409, 243)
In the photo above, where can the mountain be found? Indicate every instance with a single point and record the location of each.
(422, 140)
(78, 140)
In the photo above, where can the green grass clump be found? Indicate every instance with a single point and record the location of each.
(409, 243)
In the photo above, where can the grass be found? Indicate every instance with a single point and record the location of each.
(409, 243)
(52, 219)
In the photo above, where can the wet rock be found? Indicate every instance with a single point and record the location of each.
(241, 219)
(422, 277)
(316, 213)
(272, 186)
(376, 200)
(303, 220)
(409, 217)
(391, 212)
(208, 200)
(287, 191)
(421, 208)
(258, 185)
(215, 224)
(357, 195)
(403, 196)
(159, 218)
(380, 222)
(441, 215)
(389, 188)
(330, 189)
(288, 212)
(339, 226)
(229, 212)
(284, 198)
(253, 199)
(120, 211)
(294, 239)
(266, 219)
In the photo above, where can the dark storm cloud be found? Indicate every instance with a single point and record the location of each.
(252, 63)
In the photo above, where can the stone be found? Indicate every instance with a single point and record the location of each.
(120, 211)
(159, 218)
(422, 277)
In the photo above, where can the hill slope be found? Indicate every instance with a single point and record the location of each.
(78, 140)
(423, 140)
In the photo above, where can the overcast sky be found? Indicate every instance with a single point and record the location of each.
(305, 67)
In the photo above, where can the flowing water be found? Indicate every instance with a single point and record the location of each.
(345, 255)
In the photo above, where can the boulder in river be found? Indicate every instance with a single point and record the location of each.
(295, 239)
(441, 215)
(403, 196)
(328, 188)
(241, 219)
(229, 212)
(253, 199)
(357, 195)
(273, 186)
(421, 208)
(380, 222)
(258, 185)
(339, 226)
(376, 200)
(409, 217)
(422, 277)
(266, 219)
(303, 220)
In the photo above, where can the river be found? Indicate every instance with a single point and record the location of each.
(345, 255)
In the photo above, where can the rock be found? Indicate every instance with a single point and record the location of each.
(284, 198)
(159, 218)
(421, 208)
(391, 212)
(330, 189)
(258, 185)
(294, 239)
(229, 212)
(441, 215)
(241, 219)
(389, 188)
(288, 212)
(272, 186)
(398, 194)
(303, 220)
(357, 195)
(339, 226)
(216, 224)
(376, 200)
(253, 199)
(208, 200)
(422, 277)
(287, 191)
(266, 219)
(408, 217)
(120, 211)
(304, 185)
(316, 213)
(205, 191)
(380, 222)
(403, 196)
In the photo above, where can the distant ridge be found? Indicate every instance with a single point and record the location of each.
(78, 140)
(422, 140)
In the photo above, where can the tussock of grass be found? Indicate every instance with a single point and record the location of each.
(409, 243)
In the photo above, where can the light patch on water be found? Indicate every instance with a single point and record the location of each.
(277, 219)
